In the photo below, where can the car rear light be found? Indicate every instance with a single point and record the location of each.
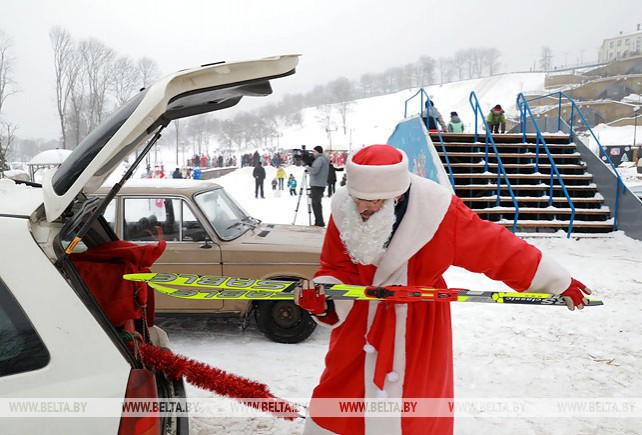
(141, 385)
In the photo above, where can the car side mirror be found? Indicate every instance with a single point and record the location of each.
(201, 236)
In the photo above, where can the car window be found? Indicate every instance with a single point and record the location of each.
(226, 216)
(153, 218)
(157, 218)
(192, 230)
(110, 214)
(21, 349)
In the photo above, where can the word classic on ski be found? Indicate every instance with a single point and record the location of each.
(391, 227)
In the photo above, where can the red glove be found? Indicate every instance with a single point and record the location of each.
(575, 295)
(311, 297)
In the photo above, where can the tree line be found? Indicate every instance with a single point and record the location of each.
(92, 80)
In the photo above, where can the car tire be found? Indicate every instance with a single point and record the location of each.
(283, 321)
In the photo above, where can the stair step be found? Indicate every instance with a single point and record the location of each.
(512, 175)
(548, 210)
(513, 155)
(597, 225)
(518, 165)
(590, 187)
(520, 145)
(499, 138)
(539, 199)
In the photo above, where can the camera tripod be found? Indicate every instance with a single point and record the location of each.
(304, 185)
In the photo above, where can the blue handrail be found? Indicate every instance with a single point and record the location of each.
(477, 110)
(525, 109)
(619, 184)
(422, 93)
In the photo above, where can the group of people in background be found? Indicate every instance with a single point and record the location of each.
(432, 117)
(206, 161)
(320, 170)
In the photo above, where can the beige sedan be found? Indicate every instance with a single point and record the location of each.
(208, 233)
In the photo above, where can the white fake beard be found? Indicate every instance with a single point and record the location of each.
(365, 241)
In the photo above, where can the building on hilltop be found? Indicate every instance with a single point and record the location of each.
(621, 46)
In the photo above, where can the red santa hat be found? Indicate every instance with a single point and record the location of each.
(377, 172)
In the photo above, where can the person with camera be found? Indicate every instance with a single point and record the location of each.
(318, 172)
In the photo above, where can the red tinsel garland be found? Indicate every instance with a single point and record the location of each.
(216, 380)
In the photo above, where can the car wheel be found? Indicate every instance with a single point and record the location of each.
(283, 321)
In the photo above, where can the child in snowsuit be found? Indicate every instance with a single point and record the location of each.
(455, 125)
(496, 119)
(292, 185)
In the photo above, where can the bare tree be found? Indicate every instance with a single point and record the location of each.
(125, 79)
(66, 67)
(426, 70)
(7, 135)
(460, 63)
(491, 60)
(324, 117)
(98, 60)
(7, 85)
(342, 92)
(546, 58)
(476, 62)
(77, 120)
(368, 85)
(446, 69)
(231, 134)
(147, 72)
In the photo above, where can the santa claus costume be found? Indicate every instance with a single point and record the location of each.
(404, 350)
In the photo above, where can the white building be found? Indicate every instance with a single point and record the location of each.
(623, 45)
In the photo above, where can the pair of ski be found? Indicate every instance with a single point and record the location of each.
(205, 287)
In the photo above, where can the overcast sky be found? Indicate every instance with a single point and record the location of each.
(335, 37)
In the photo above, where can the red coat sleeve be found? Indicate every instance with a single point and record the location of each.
(485, 247)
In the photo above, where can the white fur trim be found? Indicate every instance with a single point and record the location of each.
(550, 277)
(392, 423)
(392, 377)
(427, 207)
(381, 394)
(312, 428)
(377, 181)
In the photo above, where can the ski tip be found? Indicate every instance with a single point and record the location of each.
(594, 302)
(138, 276)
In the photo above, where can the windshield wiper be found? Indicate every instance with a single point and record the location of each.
(247, 220)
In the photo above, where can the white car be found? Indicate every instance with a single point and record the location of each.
(66, 317)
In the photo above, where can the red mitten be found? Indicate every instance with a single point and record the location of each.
(311, 298)
(575, 295)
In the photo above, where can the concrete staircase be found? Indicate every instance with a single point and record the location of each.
(478, 189)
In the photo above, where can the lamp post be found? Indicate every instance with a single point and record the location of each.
(636, 110)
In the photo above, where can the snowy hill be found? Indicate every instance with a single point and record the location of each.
(372, 120)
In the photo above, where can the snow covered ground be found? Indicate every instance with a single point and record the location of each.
(500, 352)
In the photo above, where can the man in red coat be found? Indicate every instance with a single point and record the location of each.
(390, 227)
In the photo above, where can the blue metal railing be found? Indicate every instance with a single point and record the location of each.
(619, 188)
(501, 172)
(422, 93)
(524, 110)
